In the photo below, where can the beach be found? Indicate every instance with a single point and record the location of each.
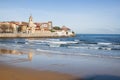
(16, 73)
(12, 72)
(47, 66)
(60, 58)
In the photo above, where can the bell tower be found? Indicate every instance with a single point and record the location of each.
(30, 19)
(31, 25)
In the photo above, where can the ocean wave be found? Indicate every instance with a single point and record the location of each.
(49, 51)
(77, 54)
(42, 40)
(84, 47)
(104, 43)
(96, 47)
(61, 43)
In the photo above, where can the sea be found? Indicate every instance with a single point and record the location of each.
(95, 45)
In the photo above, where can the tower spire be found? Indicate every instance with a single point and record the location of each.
(30, 18)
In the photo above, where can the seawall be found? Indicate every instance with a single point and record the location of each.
(35, 35)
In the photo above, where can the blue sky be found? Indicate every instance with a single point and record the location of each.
(82, 16)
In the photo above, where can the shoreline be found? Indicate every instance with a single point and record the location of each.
(8, 72)
(45, 66)
(17, 72)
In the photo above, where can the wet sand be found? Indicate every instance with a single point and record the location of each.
(17, 65)
(16, 73)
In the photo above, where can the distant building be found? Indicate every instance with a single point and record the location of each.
(36, 27)
(31, 26)
(61, 33)
(46, 26)
(64, 31)
(65, 28)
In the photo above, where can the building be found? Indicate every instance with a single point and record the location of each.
(31, 26)
(46, 26)
(43, 28)
(36, 27)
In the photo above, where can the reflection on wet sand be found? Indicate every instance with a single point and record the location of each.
(17, 59)
(30, 55)
(6, 51)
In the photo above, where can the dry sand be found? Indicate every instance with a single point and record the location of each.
(15, 73)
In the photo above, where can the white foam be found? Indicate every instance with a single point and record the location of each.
(105, 48)
(42, 41)
(59, 43)
(54, 45)
(94, 47)
(78, 54)
(64, 42)
(53, 39)
(29, 40)
(50, 51)
(102, 43)
(79, 47)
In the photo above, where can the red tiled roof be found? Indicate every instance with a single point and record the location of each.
(65, 28)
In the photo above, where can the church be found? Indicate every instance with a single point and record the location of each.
(37, 27)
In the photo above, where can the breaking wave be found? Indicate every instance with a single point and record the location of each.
(87, 45)
(50, 52)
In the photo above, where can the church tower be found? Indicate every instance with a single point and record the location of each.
(30, 22)
(31, 25)
(50, 25)
(30, 19)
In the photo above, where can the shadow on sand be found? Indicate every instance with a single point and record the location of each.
(101, 77)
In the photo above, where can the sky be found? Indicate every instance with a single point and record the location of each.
(82, 16)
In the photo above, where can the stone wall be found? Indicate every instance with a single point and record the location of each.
(25, 35)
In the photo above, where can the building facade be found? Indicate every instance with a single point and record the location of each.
(36, 27)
